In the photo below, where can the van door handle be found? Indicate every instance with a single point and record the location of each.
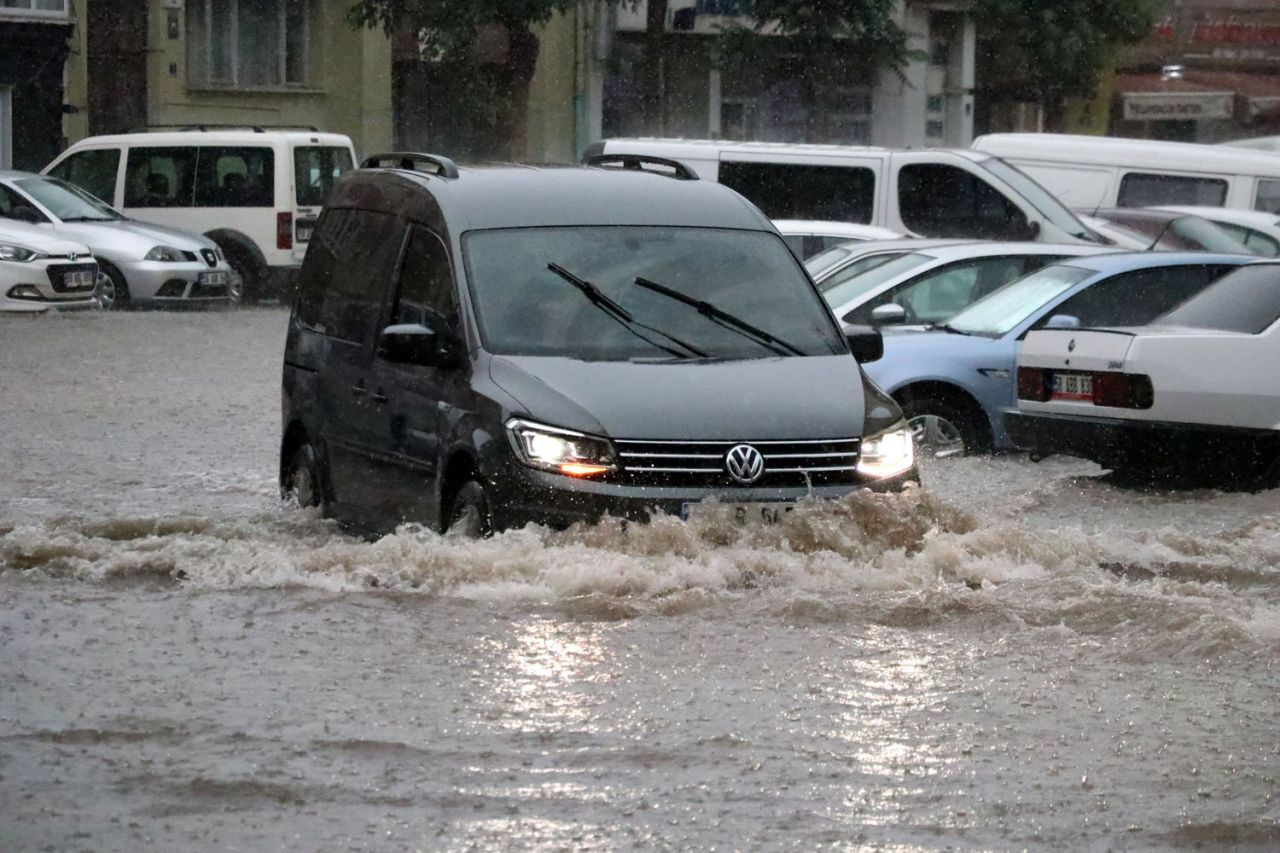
(379, 397)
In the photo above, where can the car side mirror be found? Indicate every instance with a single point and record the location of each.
(411, 343)
(865, 342)
(25, 213)
(888, 315)
(1063, 321)
(1029, 231)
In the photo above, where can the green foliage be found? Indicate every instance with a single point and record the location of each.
(1048, 50)
(449, 27)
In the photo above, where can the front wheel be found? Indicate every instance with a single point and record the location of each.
(306, 481)
(470, 512)
(112, 293)
(941, 428)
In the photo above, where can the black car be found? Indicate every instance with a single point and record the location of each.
(511, 344)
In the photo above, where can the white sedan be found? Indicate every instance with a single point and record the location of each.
(809, 237)
(1197, 392)
(40, 270)
(1258, 230)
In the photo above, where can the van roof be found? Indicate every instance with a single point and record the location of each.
(713, 148)
(246, 136)
(517, 196)
(1141, 154)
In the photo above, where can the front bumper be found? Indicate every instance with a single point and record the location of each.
(1117, 442)
(522, 495)
(29, 288)
(168, 283)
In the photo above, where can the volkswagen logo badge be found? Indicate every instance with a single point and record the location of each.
(744, 463)
(1071, 345)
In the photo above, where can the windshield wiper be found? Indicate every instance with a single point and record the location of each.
(723, 318)
(601, 300)
(87, 218)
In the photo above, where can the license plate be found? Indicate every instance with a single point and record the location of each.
(80, 280)
(304, 234)
(766, 513)
(1072, 386)
(213, 278)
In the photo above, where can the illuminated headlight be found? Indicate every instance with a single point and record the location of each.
(889, 453)
(21, 254)
(164, 254)
(560, 450)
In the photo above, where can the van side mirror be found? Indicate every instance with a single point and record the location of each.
(865, 342)
(411, 343)
(888, 315)
(1063, 321)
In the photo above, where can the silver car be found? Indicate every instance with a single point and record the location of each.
(140, 263)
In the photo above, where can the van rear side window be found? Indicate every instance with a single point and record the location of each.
(235, 177)
(1142, 190)
(316, 169)
(791, 191)
(1268, 196)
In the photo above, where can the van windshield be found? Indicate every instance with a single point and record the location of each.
(316, 168)
(1040, 198)
(524, 307)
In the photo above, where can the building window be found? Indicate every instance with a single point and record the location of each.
(33, 8)
(248, 44)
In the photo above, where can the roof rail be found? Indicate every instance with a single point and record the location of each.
(256, 128)
(409, 160)
(638, 162)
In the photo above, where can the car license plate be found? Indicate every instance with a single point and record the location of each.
(79, 280)
(1072, 386)
(213, 278)
(304, 234)
(766, 513)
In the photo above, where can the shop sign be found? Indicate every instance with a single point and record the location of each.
(1178, 106)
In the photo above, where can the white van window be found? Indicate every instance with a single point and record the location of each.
(93, 171)
(316, 169)
(1268, 196)
(938, 200)
(235, 177)
(1142, 190)
(160, 177)
(791, 191)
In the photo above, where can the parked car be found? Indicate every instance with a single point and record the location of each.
(40, 271)
(1170, 231)
(955, 382)
(1116, 235)
(926, 193)
(1098, 171)
(809, 237)
(255, 191)
(140, 263)
(1258, 230)
(933, 284)
(863, 255)
(1195, 392)
(513, 364)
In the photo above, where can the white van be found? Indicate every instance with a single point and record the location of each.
(254, 191)
(928, 193)
(1089, 172)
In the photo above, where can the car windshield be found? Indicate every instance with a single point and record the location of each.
(66, 202)
(527, 304)
(1040, 198)
(316, 169)
(824, 261)
(1247, 300)
(866, 275)
(1007, 308)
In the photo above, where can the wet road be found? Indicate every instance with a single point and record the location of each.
(1017, 655)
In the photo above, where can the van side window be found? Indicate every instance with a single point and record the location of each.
(235, 177)
(1268, 196)
(1140, 190)
(426, 296)
(937, 200)
(93, 171)
(1136, 298)
(160, 177)
(351, 257)
(790, 191)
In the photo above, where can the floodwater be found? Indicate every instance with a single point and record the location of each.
(1016, 655)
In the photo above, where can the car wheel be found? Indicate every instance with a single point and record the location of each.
(112, 293)
(306, 479)
(246, 271)
(235, 289)
(470, 513)
(941, 428)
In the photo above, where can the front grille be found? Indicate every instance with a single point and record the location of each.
(189, 256)
(207, 291)
(800, 463)
(209, 256)
(58, 277)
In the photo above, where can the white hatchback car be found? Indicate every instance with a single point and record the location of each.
(40, 270)
(810, 237)
(1195, 392)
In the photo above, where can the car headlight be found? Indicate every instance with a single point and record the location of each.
(21, 254)
(165, 254)
(888, 453)
(560, 450)
(217, 253)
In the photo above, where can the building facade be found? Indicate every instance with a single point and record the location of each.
(35, 38)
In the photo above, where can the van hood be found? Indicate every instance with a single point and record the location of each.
(753, 400)
(133, 236)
